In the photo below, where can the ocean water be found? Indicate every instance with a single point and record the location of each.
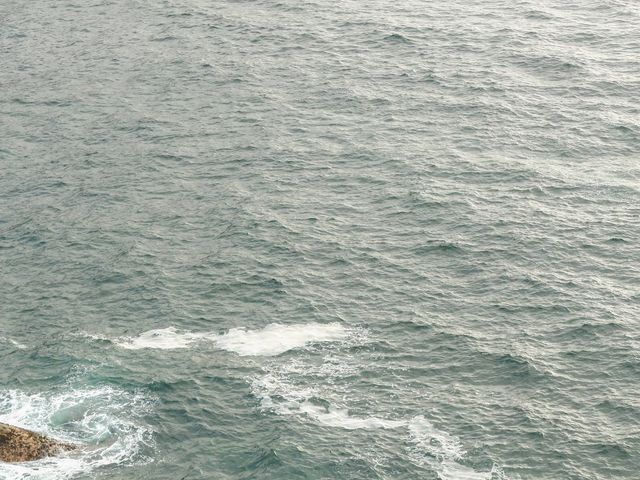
(284, 239)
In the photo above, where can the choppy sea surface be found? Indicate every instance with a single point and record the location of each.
(283, 239)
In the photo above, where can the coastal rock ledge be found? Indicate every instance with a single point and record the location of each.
(20, 445)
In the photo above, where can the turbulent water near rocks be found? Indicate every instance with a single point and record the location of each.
(322, 240)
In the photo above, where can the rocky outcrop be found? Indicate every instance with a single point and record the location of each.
(20, 445)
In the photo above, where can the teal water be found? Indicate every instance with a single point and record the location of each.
(304, 240)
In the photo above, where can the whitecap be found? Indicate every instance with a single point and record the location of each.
(289, 397)
(163, 338)
(281, 394)
(13, 342)
(295, 399)
(441, 451)
(275, 338)
(272, 340)
(340, 418)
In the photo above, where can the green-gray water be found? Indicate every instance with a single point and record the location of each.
(322, 240)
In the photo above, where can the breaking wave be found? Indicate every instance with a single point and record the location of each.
(105, 421)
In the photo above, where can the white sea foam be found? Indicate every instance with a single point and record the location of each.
(272, 340)
(441, 451)
(163, 338)
(13, 342)
(437, 443)
(302, 388)
(278, 395)
(102, 420)
(275, 338)
(283, 392)
(296, 400)
(340, 418)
